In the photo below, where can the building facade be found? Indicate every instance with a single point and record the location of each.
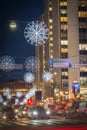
(67, 24)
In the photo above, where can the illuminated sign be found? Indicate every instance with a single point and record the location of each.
(76, 88)
(59, 63)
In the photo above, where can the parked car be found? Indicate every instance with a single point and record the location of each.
(36, 112)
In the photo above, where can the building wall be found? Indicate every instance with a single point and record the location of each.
(73, 40)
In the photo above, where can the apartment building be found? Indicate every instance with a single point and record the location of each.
(67, 24)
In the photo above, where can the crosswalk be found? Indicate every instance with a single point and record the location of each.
(49, 122)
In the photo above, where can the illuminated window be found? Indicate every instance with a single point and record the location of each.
(64, 42)
(51, 32)
(63, 19)
(64, 50)
(82, 14)
(63, 3)
(51, 44)
(51, 39)
(64, 73)
(50, 8)
(83, 46)
(83, 69)
(51, 56)
(50, 20)
(63, 11)
(50, 26)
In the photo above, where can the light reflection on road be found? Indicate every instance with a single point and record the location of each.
(50, 124)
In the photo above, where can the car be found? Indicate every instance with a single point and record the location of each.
(8, 114)
(22, 112)
(36, 112)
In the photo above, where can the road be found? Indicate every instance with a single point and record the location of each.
(50, 124)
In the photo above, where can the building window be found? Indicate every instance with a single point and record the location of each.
(64, 42)
(50, 8)
(83, 47)
(64, 50)
(51, 27)
(83, 59)
(64, 26)
(51, 44)
(82, 25)
(64, 55)
(83, 69)
(64, 73)
(51, 38)
(82, 3)
(50, 20)
(63, 3)
(63, 19)
(83, 81)
(51, 56)
(82, 14)
(63, 11)
(51, 32)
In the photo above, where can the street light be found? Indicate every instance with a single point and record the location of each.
(13, 25)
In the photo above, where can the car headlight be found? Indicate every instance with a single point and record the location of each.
(35, 113)
(23, 112)
(4, 117)
(48, 112)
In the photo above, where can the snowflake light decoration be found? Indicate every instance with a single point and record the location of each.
(18, 94)
(7, 63)
(29, 77)
(32, 64)
(47, 76)
(6, 91)
(9, 96)
(16, 101)
(36, 33)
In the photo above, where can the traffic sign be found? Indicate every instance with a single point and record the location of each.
(59, 63)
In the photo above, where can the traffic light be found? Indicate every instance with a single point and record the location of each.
(38, 95)
(29, 101)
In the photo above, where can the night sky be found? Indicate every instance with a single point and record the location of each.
(13, 43)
